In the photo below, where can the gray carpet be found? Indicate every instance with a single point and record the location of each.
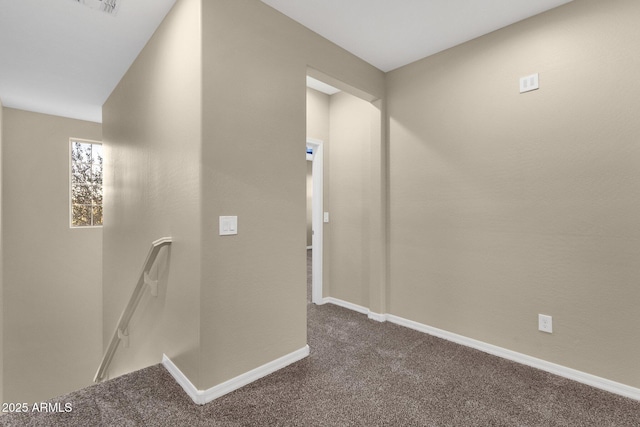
(359, 373)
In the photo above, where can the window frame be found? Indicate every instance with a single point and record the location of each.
(70, 187)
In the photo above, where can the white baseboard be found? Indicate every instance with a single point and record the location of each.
(182, 379)
(201, 397)
(562, 371)
(355, 307)
(377, 316)
(345, 304)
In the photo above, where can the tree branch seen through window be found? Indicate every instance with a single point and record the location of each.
(86, 184)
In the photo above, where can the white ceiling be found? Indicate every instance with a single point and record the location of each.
(391, 33)
(321, 86)
(60, 57)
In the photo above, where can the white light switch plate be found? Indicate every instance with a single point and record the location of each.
(529, 83)
(228, 225)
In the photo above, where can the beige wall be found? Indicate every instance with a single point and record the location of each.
(502, 205)
(1, 269)
(318, 116)
(255, 65)
(152, 134)
(232, 303)
(52, 303)
(317, 119)
(351, 186)
(505, 205)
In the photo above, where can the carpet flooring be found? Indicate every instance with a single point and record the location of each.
(359, 373)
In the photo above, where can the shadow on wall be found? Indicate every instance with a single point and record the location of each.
(146, 334)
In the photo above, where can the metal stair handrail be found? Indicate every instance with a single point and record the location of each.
(120, 333)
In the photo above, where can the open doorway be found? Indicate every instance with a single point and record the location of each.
(347, 139)
(315, 155)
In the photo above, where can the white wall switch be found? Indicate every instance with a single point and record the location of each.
(228, 225)
(529, 83)
(326, 217)
(545, 323)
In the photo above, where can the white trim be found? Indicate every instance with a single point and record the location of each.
(346, 304)
(562, 371)
(317, 214)
(310, 247)
(182, 379)
(355, 307)
(377, 316)
(201, 397)
(90, 141)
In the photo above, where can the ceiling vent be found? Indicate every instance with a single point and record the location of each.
(108, 6)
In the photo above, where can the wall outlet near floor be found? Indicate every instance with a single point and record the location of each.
(545, 323)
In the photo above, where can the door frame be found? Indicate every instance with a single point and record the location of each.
(317, 217)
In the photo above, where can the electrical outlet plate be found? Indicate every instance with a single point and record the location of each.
(545, 323)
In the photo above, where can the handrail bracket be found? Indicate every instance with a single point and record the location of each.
(124, 337)
(153, 284)
(121, 332)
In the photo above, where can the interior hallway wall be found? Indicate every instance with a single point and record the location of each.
(255, 65)
(350, 197)
(52, 302)
(317, 119)
(192, 137)
(153, 136)
(506, 205)
(1, 270)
